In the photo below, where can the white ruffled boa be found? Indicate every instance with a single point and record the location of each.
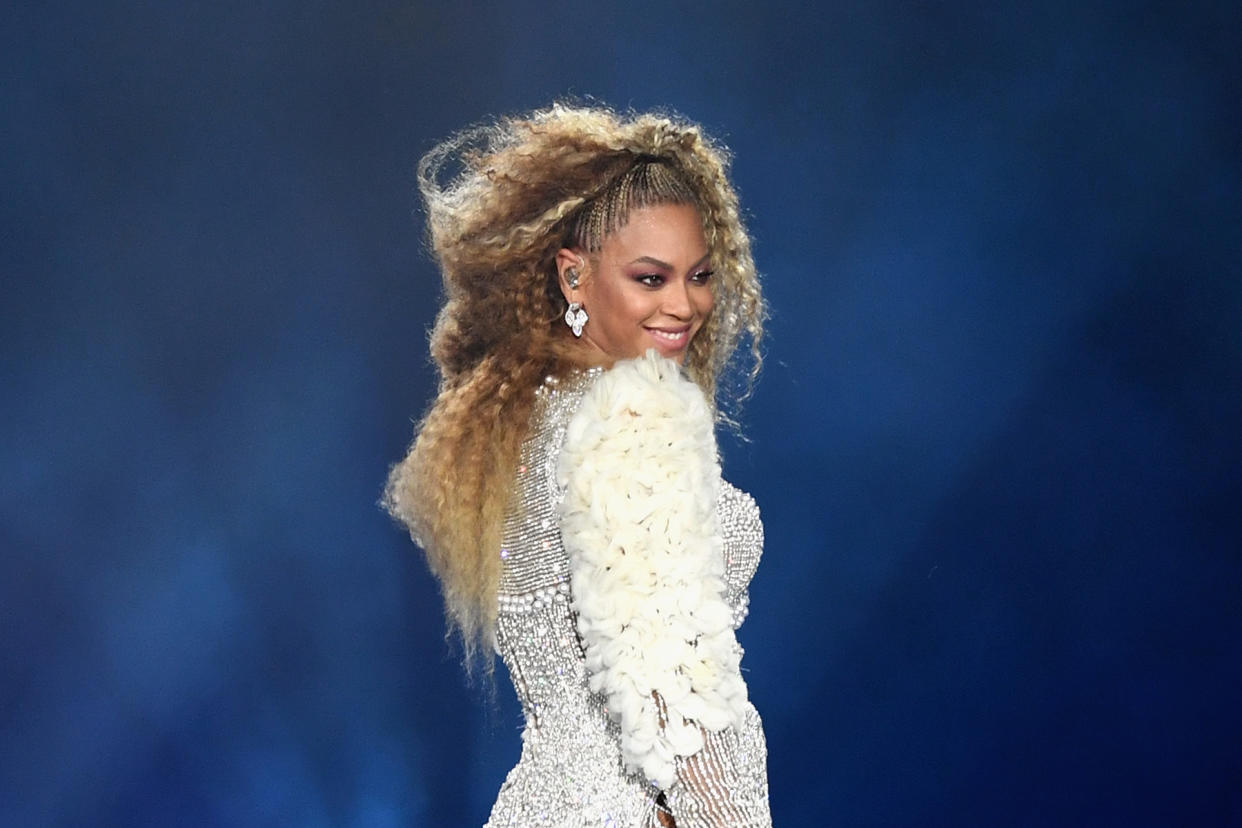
(641, 477)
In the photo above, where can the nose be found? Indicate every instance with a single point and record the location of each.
(677, 300)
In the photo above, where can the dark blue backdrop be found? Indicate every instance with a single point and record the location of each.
(997, 442)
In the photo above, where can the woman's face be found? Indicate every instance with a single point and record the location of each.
(648, 287)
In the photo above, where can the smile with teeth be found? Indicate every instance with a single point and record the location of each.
(677, 337)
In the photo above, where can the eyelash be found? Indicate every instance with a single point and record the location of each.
(655, 279)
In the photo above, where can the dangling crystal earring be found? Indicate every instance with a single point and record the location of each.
(576, 317)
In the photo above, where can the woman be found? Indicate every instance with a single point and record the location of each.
(565, 482)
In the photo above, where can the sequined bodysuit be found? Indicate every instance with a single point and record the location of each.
(571, 771)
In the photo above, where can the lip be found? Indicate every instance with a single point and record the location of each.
(671, 338)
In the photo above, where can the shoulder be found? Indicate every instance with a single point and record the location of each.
(639, 451)
(650, 385)
(639, 405)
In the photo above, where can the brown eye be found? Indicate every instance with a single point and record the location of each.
(703, 277)
(650, 279)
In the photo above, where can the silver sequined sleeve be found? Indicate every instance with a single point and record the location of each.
(726, 783)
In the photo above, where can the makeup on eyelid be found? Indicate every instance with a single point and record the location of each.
(648, 287)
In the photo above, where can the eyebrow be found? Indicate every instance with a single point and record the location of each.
(651, 260)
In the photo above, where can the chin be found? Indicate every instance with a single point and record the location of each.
(675, 353)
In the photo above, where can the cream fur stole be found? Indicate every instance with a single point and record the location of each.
(640, 477)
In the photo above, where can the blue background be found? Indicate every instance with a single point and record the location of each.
(996, 443)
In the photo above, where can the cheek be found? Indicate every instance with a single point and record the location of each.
(707, 301)
(624, 306)
(610, 312)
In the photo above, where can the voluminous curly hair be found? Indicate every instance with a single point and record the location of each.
(501, 201)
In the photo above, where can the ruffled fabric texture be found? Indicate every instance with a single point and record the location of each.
(640, 478)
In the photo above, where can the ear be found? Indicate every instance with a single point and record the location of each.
(567, 260)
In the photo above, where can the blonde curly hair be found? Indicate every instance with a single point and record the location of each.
(518, 191)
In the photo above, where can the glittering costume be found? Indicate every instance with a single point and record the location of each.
(626, 561)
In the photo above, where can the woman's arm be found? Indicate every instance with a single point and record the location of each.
(638, 517)
(725, 783)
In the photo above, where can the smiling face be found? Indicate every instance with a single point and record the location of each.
(649, 286)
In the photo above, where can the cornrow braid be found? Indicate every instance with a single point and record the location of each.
(649, 182)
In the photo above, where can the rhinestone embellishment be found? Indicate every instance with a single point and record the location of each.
(576, 317)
